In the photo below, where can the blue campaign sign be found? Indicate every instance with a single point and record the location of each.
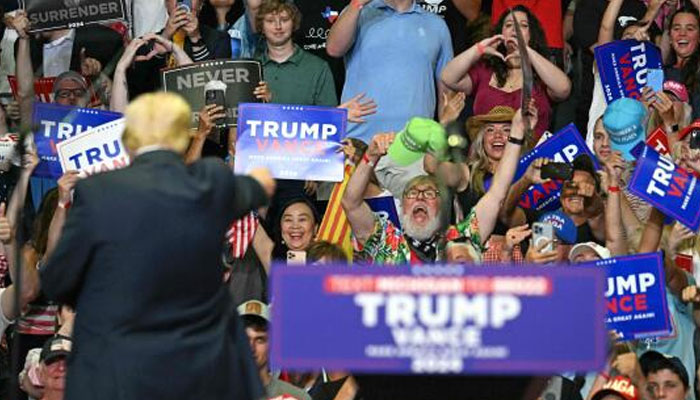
(385, 207)
(623, 66)
(636, 296)
(55, 123)
(293, 142)
(667, 187)
(563, 146)
(438, 319)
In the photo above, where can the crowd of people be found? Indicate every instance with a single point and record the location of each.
(436, 120)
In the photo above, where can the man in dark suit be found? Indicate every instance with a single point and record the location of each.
(94, 49)
(139, 258)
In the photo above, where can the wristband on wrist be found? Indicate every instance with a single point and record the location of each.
(480, 49)
(517, 141)
(366, 159)
(613, 189)
(65, 205)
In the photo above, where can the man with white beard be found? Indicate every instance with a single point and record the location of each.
(422, 238)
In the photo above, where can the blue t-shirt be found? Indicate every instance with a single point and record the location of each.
(396, 60)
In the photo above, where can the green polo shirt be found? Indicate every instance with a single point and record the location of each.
(303, 79)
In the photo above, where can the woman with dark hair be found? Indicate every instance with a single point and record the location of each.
(490, 70)
(684, 33)
(294, 231)
(221, 14)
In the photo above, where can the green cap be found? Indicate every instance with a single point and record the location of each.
(420, 135)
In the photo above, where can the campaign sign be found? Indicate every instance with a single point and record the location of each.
(438, 319)
(385, 208)
(635, 295)
(293, 142)
(240, 77)
(658, 140)
(667, 187)
(56, 123)
(623, 66)
(96, 150)
(46, 15)
(563, 146)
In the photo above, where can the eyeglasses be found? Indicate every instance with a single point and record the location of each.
(65, 93)
(428, 194)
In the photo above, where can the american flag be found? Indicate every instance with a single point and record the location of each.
(240, 234)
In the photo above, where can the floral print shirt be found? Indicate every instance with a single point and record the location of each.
(387, 244)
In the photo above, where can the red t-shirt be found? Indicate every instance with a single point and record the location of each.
(487, 97)
(548, 12)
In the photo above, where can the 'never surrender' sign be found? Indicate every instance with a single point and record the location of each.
(240, 77)
(623, 67)
(438, 319)
(293, 142)
(45, 15)
(667, 187)
(97, 150)
(57, 123)
(635, 296)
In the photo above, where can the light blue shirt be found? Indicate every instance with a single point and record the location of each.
(680, 342)
(396, 60)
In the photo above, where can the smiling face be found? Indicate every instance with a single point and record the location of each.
(601, 141)
(572, 203)
(298, 226)
(495, 137)
(420, 218)
(278, 28)
(508, 30)
(684, 35)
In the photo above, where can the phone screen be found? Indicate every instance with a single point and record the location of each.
(655, 79)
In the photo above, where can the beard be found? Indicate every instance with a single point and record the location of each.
(417, 231)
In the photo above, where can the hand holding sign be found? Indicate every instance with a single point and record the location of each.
(679, 234)
(262, 92)
(66, 183)
(265, 179)
(627, 364)
(5, 227)
(664, 105)
(19, 23)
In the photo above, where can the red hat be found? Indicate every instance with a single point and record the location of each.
(695, 125)
(677, 89)
(619, 385)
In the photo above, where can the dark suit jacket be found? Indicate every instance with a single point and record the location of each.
(140, 258)
(101, 43)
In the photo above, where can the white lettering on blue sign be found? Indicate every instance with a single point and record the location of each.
(291, 130)
(632, 284)
(661, 176)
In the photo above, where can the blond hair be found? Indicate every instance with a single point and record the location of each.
(157, 119)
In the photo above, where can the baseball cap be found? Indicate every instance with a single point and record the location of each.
(620, 386)
(419, 136)
(564, 226)
(694, 126)
(254, 308)
(579, 248)
(496, 114)
(652, 361)
(624, 119)
(677, 89)
(55, 348)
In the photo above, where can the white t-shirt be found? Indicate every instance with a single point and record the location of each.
(4, 321)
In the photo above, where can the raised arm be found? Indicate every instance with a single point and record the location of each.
(65, 187)
(456, 73)
(557, 83)
(614, 233)
(120, 88)
(342, 34)
(357, 211)
(23, 69)
(607, 23)
(489, 205)
(510, 214)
